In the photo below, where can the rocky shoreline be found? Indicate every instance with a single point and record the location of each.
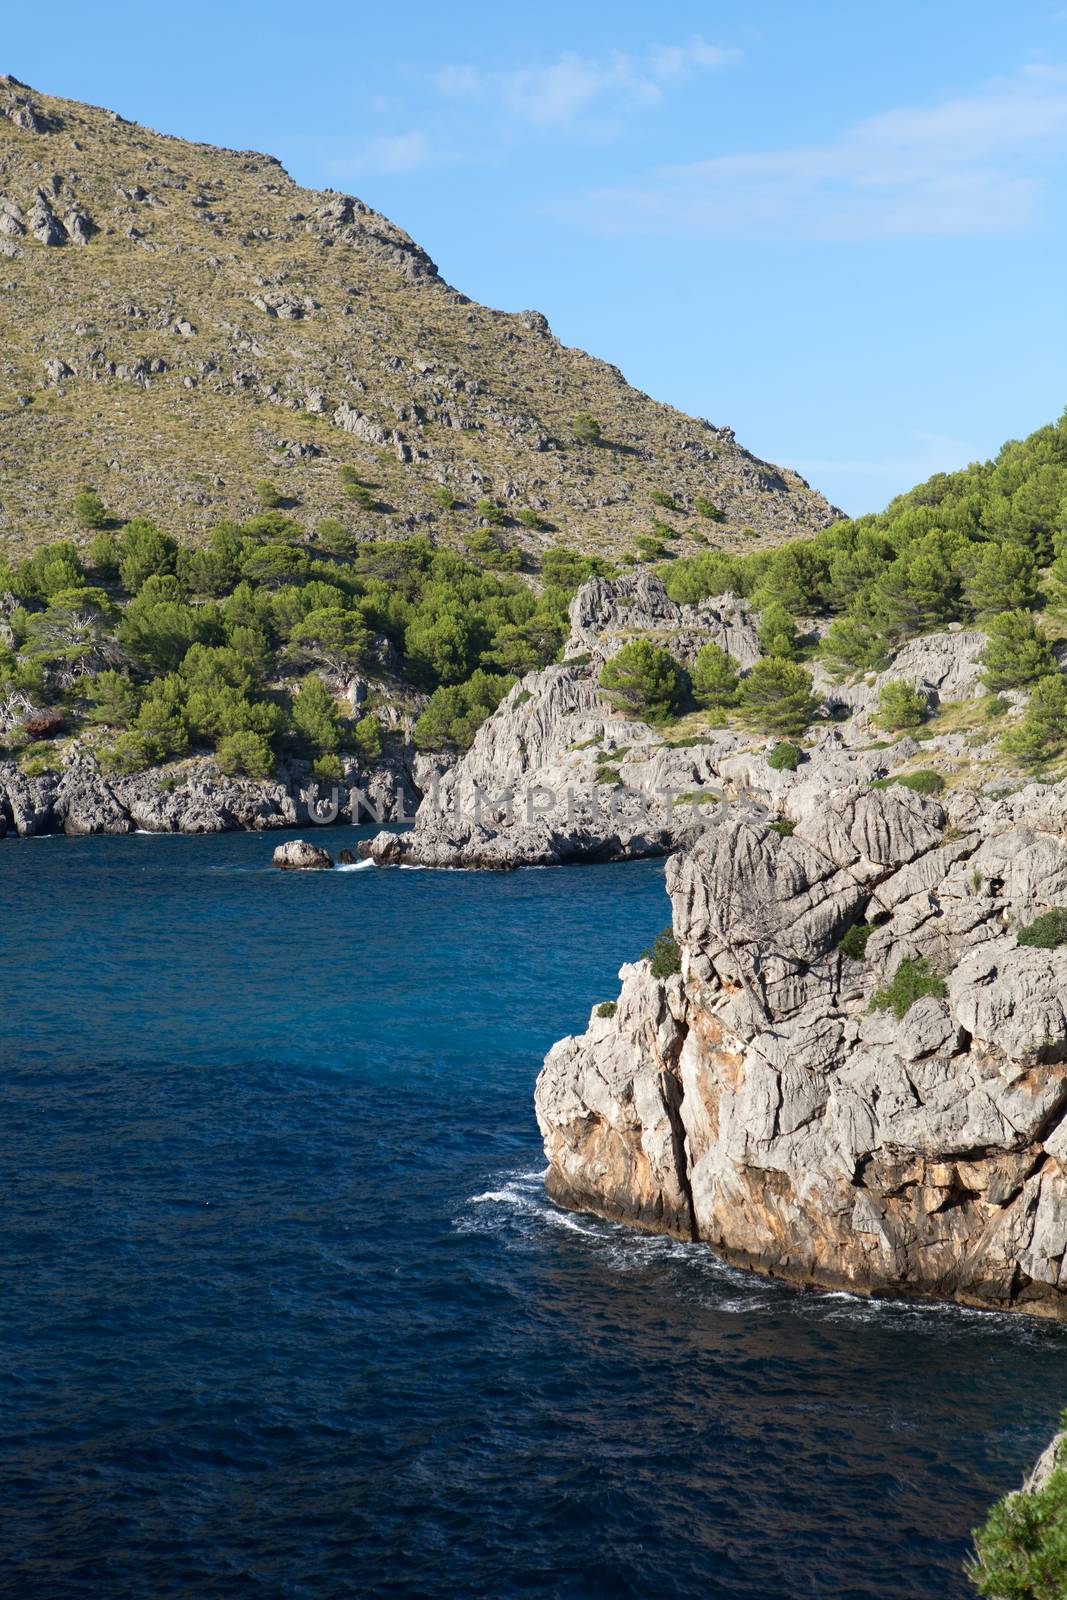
(194, 797)
(764, 1100)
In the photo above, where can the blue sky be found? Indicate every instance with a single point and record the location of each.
(838, 228)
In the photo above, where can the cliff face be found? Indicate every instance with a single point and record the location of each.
(178, 321)
(756, 1102)
(590, 783)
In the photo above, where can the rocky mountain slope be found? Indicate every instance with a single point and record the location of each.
(178, 322)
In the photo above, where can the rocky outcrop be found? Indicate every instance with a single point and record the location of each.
(756, 1101)
(606, 612)
(557, 774)
(194, 797)
(299, 855)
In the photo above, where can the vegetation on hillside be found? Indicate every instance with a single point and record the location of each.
(986, 546)
(151, 649)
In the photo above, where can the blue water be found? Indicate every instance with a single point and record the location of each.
(285, 1312)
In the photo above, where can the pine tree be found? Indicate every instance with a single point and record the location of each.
(1016, 652)
(777, 695)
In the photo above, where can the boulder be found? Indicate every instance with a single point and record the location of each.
(301, 855)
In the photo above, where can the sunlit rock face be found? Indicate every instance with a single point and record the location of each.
(757, 1101)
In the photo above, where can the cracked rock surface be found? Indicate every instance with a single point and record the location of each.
(756, 1102)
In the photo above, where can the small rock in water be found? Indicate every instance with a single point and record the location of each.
(300, 854)
(345, 858)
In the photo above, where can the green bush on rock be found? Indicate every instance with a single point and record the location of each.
(785, 757)
(1021, 1549)
(664, 955)
(900, 706)
(912, 981)
(1046, 932)
(777, 696)
(643, 679)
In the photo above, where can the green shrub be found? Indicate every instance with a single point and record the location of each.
(607, 1008)
(586, 429)
(327, 768)
(924, 781)
(245, 752)
(853, 941)
(644, 679)
(455, 712)
(647, 547)
(900, 706)
(442, 496)
(367, 738)
(315, 718)
(707, 508)
(35, 762)
(361, 496)
(1021, 1549)
(144, 552)
(1016, 651)
(715, 678)
(567, 569)
(490, 512)
(89, 509)
(660, 497)
(912, 980)
(112, 698)
(103, 554)
(1046, 932)
(130, 753)
(783, 827)
(268, 495)
(1044, 724)
(531, 519)
(785, 757)
(664, 954)
(777, 696)
(777, 633)
(999, 578)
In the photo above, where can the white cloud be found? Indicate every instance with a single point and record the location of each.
(387, 153)
(559, 92)
(973, 164)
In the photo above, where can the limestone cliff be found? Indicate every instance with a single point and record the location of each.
(757, 1102)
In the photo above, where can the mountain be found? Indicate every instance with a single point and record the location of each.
(180, 322)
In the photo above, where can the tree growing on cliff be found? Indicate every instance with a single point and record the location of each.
(455, 712)
(1021, 1550)
(777, 696)
(900, 706)
(1016, 651)
(715, 678)
(777, 633)
(643, 679)
(331, 637)
(1044, 726)
(315, 718)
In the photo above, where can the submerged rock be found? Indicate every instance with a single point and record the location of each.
(301, 855)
